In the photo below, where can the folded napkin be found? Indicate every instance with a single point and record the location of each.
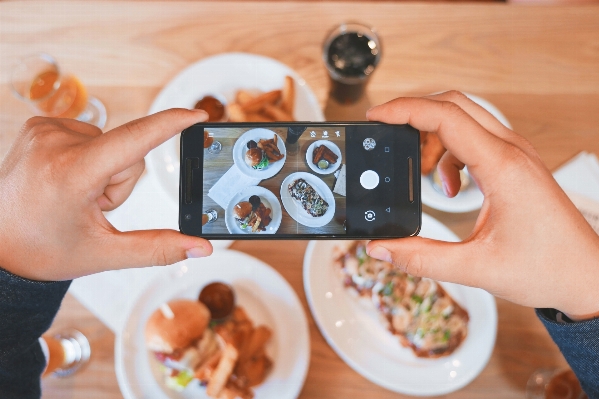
(579, 178)
(232, 182)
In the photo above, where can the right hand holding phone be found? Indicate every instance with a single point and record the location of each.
(530, 244)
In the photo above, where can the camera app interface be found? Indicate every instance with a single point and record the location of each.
(282, 180)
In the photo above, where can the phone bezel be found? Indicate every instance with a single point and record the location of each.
(191, 228)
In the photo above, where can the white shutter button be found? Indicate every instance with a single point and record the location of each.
(369, 179)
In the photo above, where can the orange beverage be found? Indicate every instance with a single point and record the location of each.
(65, 352)
(59, 97)
(208, 139)
(56, 355)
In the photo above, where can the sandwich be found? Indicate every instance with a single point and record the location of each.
(256, 158)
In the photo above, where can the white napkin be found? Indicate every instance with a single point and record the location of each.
(579, 178)
(232, 182)
(110, 295)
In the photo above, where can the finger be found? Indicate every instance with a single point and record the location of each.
(449, 170)
(119, 148)
(423, 257)
(120, 187)
(152, 248)
(458, 131)
(486, 119)
(79, 127)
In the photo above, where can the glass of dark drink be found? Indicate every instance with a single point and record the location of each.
(351, 52)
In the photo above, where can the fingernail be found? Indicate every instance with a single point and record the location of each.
(196, 252)
(445, 189)
(380, 253)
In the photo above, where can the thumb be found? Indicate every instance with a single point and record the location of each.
(423, 257)
(154, 248)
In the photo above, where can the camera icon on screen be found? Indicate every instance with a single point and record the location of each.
(369, 216)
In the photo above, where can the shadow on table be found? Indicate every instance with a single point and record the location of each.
(334, 111)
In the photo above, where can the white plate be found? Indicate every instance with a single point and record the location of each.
(221, 74)
(297, 211)
(331, 146)
(353, 329)
(471, 198)
(265, 295)
(240, 148)
(268, 199)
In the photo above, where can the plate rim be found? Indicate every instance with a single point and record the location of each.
(119, 339)
(331, 210)
(493, 318)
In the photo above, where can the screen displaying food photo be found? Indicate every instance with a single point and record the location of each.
(280, 180)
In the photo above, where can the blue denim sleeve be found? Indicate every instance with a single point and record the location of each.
(27, 309)
(579, 343)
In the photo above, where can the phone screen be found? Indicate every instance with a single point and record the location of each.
(293, 180)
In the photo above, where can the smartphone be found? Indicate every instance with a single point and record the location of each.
(300, 180)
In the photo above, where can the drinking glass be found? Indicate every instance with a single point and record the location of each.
(38, 81)
(212, 145)
(554, 384)
(351, 52)
(65, 352)
(209, 216)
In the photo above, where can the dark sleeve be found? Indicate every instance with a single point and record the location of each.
(579, 343)
(27, 309)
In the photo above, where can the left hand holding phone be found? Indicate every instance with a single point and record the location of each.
(58, 178)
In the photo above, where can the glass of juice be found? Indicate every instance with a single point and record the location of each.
(38, 81)
(65, 352)
(351, 52)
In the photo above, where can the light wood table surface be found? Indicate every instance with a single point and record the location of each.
(538, 65)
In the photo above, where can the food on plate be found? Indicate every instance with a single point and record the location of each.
(418, 310)
(271, 106)
(213, 107)
(323, 153)
(219, 298)
(261, 154)
(431, 151)
(311, 201)
(252, 214)
(227, 356)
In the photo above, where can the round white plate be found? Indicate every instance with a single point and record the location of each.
(223, 75)
(297, 211)
(471, 198)
(265, 295)
(240, 148)
(268, 199)
(353, 329)
(331, 146)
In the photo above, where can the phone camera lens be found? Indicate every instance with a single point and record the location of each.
(369, 144)
(188, 217)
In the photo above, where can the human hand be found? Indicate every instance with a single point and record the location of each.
(529, 245)
(58, 177)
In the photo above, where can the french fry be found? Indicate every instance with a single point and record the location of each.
(256, 104)
(288, 95)
(258, 339)
(243, 97)
(205, 369)
(223, 371)
(276, 113)
(236, 113)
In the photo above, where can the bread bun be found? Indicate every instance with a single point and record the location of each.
(242, 210)
(253, 156)
(166, 335)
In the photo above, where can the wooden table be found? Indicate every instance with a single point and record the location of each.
(539, 65)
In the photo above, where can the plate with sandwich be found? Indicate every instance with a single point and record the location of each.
(408, 334)
(226, 326)
(253, 210)
(259, 153)
(235, 78)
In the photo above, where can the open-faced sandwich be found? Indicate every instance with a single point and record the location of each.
(418, 310)
(311, 201)
(261, 154)
(252, 214)
(225, 354)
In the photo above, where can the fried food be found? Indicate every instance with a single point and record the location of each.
(324, 152)
(271, 149)
(274, 105)
(431, 152)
